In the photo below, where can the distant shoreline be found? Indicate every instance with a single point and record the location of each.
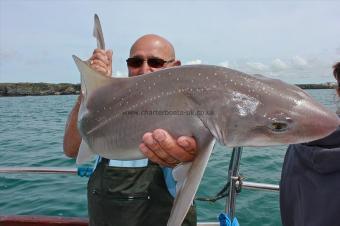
(38, 89)
(44, 89)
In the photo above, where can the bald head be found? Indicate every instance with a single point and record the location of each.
(155, 44)
(152, 46)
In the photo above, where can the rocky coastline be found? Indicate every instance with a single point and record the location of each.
(38, 89)
(43, 89)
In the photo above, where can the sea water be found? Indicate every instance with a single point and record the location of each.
(31, 134)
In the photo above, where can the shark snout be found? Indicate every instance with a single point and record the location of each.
(328, 123)
(317, 120)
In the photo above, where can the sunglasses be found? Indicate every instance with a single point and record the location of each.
(154, 62)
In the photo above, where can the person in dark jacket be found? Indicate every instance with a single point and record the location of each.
(310, 180)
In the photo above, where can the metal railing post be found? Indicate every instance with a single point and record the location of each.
(233, 172)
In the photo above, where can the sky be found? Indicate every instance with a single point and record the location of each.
(295, 41)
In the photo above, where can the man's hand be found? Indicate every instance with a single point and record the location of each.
(161, 148)
(101, 61)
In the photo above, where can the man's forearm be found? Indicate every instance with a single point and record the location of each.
(72, 137)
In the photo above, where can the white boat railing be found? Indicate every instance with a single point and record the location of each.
(51, 170)
(235, 181)
(59, 170)
(260, 186)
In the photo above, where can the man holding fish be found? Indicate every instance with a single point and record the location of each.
(243, 113)
(125, 200)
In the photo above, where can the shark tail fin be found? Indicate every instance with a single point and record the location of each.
(98, 32)
(90, 79)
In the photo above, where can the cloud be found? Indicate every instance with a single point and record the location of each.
(278, 65)
(197, 61)
(291, 69)
(120, 74)
(337, 50)
(224, 64)
(299, 61)
(6, 54)
(257, 66)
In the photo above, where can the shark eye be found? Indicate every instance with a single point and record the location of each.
(278, 126)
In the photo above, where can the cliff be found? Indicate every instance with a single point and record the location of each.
(41, 89)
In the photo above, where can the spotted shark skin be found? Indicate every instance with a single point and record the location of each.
(204, 101)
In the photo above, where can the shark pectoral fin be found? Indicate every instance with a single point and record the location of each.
(216, 116)
(90, 79)
(186, 194)
(84, 153)
(213, 125)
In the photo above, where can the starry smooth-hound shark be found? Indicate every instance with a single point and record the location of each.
(203, 101)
